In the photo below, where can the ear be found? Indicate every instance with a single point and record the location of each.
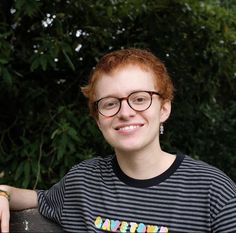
(165, 111)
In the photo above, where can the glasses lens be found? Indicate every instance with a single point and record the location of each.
(108, 106)
(140, 101)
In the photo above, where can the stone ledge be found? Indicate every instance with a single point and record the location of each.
(31, 220)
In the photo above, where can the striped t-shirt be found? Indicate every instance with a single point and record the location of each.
(96, 196)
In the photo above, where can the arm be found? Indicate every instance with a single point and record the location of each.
(19, 199)
(225, 221)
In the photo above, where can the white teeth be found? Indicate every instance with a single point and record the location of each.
(129, 127)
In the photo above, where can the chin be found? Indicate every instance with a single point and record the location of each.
(128, 148)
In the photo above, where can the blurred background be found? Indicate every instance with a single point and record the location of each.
(47, 49)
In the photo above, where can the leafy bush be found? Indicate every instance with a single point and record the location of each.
(47, 49)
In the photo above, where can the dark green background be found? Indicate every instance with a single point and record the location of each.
(47, 49)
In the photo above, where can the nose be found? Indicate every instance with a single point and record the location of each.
(125, 110)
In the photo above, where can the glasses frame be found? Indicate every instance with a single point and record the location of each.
(151, 93)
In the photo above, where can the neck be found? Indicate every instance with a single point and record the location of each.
(144, 164)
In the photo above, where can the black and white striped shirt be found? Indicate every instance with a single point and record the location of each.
(96, 196)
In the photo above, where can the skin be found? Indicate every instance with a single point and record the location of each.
(134, 135)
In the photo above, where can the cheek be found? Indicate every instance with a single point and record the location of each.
(103, 124)
(106, 130)
(153, 114)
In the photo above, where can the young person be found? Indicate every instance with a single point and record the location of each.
(140, 188)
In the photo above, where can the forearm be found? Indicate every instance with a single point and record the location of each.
(21, 198)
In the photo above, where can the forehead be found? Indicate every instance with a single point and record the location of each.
(123, 81)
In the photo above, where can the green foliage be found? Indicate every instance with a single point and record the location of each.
(47, 49)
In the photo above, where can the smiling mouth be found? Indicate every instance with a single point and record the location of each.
(128, 127)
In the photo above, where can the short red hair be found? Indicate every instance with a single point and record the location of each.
(117, 59)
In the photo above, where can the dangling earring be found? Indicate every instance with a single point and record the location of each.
(161, 128)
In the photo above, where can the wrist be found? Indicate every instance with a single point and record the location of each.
(5, 194)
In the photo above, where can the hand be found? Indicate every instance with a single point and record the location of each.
(19, 199)
(4, 214)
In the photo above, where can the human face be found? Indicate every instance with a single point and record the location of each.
(130, 130)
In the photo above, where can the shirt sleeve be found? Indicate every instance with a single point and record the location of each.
(225, 221)
(50, 202)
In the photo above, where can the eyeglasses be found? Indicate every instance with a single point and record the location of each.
(138, 101)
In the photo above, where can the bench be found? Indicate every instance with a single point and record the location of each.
(31, 221)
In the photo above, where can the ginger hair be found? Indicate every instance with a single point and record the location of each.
(116, 60)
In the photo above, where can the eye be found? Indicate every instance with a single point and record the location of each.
(139, 98)
(108, 103)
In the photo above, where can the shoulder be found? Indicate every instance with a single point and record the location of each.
(93, 165)
(202, 168)
(202, 172)
(94, 162)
